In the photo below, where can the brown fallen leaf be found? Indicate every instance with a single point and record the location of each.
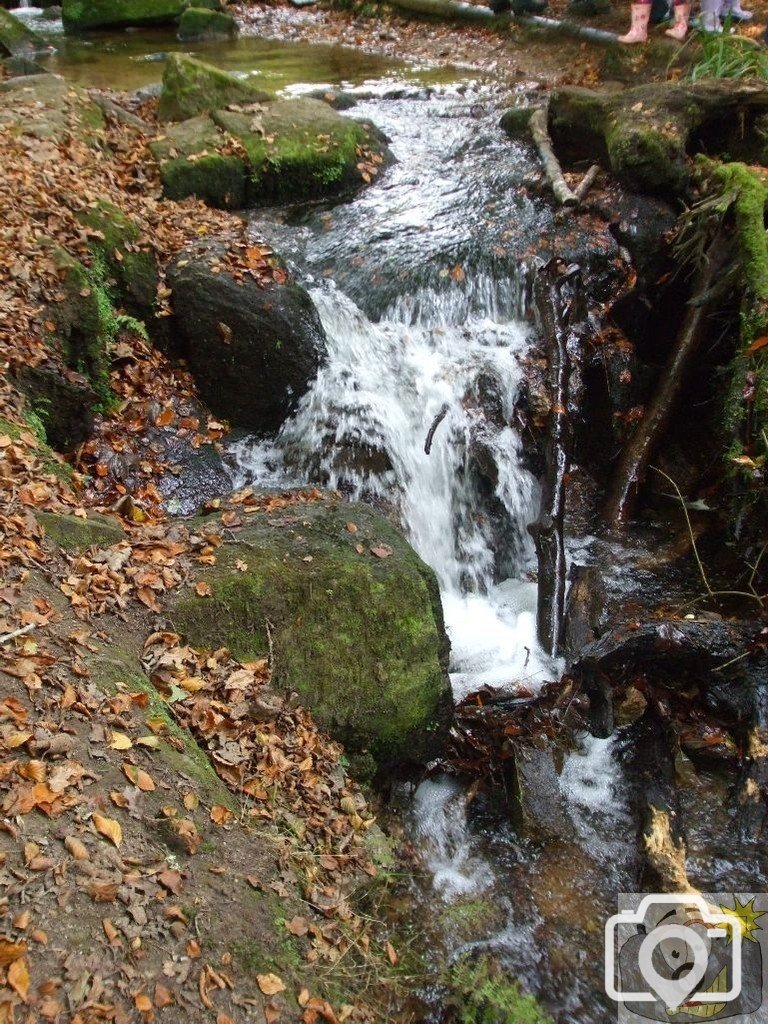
(141, 779)
(18, 978)
(76, 848)
(202, 589)
(109, 828)
(270, 984)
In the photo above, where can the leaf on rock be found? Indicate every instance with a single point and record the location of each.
(109, 828)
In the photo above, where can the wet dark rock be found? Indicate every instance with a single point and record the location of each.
(253, 351)
(22, 65)
(64, 402)
(336, 98)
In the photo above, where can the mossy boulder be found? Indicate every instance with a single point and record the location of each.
(357, 636)
(300, 149)
(193, 162)
(75, 534)
(239, 147)
(63, 401)
(191, 87)
(16, 37)
(201, 23)
(647, 134)
(114, 239)
(84, 15)
(254, 351)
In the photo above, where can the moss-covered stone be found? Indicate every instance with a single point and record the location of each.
(191, 87)
(115, 240)
(84, 15)
(191, 164)
(300, 149)
(359, 638)
(75, 534)
(516, 120)
(51, 463)
(200, 23)
(16, 37)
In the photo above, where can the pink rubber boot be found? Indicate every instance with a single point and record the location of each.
(679, 29)
(638, 33)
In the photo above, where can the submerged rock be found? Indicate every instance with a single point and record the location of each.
(16, 37)
(83, 15)
(350, 615)
(254, 351)
(198, 23)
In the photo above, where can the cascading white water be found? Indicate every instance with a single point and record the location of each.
(363, 429)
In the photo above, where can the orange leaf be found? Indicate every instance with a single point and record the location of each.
(270, 984)
(18, 978)
(757, 344)
(109, 828)
(202, 589)
(139, 778)
(220, 815)
(10, 951)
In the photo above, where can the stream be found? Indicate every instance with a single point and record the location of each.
(422, 285)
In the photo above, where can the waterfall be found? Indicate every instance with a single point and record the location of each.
(466, 505)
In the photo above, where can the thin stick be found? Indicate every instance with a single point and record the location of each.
(586, 182)
(435, 424)
(18, 632)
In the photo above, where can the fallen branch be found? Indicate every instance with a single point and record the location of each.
(586, 182)
(634, 459)
(435, 424)
(540, 133)
(17, 632)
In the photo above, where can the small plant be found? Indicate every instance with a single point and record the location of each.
(479, 993)
(727, 56)
(34, 418)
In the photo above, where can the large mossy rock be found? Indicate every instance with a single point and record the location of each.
(358, 638)
(646, 135)
(237, 146)
(83, 15)
(191, 87)
(75, 534)
(253, 351)
(17, 38)
(194, 161)
(202, 23)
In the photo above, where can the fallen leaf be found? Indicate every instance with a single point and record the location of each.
(270, 984)
(18, 978)
(109, 828)
(202, 589)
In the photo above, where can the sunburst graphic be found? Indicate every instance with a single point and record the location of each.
(747, 917)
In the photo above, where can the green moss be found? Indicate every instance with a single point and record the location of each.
(201, 23)
(480, 993)
(74, 534)
(358, 638)
(304, 150)
(191, 87)
(218, 180)
(115, 240)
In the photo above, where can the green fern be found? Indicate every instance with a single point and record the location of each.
(479, 993)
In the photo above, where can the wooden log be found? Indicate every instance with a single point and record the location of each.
(563, 193)
(586, 182)
(634, 459)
